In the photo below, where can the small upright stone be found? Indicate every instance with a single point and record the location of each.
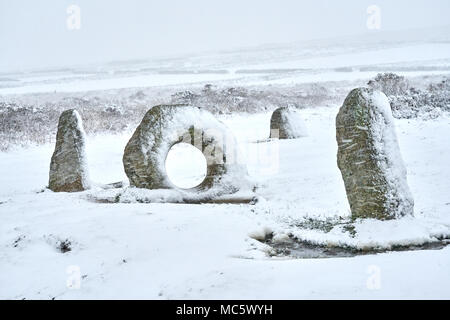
(68, 167)
(369, 157)
(286, 123)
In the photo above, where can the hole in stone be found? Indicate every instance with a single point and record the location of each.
(185, 166)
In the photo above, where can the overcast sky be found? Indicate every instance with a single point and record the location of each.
(34, 33)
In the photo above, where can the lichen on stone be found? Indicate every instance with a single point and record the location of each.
(369, 157)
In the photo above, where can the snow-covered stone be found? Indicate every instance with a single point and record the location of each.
(369, 157)
(287, 123)
(165, 125)
(68, 167)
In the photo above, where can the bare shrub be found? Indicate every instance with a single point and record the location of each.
(389, 83)
(33, 118)
(409, 102)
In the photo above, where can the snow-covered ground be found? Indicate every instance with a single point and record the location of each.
(172, 251)
(276, 66)
(169, 251)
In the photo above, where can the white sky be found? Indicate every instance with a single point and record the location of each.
(33, 33)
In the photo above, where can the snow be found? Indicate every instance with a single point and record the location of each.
(175, 250)
(389, 156)
(170, 251)
(185, 165)
(150, 80)
(303, 64)
(400, 54)
(83, 156)
(325, 76)
(294, 122)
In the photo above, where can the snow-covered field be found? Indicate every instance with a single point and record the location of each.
(285, 65)
(206, 251)
(64, 246)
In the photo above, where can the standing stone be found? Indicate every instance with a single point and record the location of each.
(286, 123)
(369, 157)
(68, 167)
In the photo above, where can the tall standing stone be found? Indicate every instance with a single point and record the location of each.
(286, 123)
(369, 157)
(68, 167)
